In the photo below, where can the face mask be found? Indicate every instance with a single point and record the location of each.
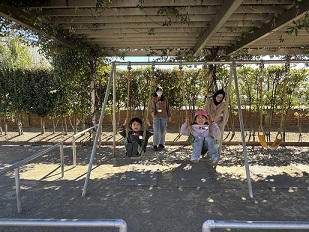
(159, 94)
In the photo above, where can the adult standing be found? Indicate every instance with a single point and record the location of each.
(161, 113)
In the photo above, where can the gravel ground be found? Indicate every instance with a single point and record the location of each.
(165, 207)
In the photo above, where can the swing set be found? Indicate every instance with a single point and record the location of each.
(233, 74)
(261, 135)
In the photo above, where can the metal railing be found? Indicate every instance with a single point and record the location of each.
(114, 223)
(211, 224)
(74, 137)
(27, 160)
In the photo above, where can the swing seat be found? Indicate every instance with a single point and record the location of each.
(263, 141)
(277, 142)
(192, 139)
(274, 145)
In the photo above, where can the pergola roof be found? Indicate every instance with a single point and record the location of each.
(169, 27)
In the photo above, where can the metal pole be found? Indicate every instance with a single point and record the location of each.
(211, 224)
(17, 185)
(114, 108)
(62, 159)
(98, 133)
(74, 151)
(216, 62)
(114, 223)
(242, 129)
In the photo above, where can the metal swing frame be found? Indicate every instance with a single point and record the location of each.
(233, 64)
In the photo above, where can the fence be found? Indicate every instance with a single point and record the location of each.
(27, 160)
(211, 224)
(116, 223)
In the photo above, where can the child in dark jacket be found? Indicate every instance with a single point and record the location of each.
(203, 138)
(134, 142)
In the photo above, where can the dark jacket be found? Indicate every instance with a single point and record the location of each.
(136, 136)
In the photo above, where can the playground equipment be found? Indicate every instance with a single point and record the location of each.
(233, 73)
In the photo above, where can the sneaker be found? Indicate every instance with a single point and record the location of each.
(161, 146)
(155, 148)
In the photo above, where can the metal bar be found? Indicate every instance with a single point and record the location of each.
(74, 150)
(215, 62)
(84, 131)
(98, 133)
(114, 223)
(227, 143)
(74, 137)
(27, 160)
(233, 67)
(114, 108)
(62, 160)
(211, 224)
(17, 186)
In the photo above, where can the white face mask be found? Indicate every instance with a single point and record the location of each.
(159, 94)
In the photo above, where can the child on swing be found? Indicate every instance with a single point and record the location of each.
(134, 140)
(203, 138)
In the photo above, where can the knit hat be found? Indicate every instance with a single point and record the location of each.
(220, 91)
(200, 112)
(136, 120)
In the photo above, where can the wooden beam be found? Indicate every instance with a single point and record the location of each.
(14, 14)
(227, 9)
(284, 19)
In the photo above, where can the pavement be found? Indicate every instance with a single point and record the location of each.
(160, 204)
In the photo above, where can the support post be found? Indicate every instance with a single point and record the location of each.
(98, 131)
(74, 150)
(17, 186)
(62, 159)
(233, 68)
(114, 108)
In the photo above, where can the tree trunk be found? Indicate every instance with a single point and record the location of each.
(19, 124)
(54, 125)
(64, 126)
(42, 125)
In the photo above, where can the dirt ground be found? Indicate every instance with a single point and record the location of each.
(165, 207)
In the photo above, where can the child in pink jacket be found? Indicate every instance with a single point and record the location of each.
(203, 138)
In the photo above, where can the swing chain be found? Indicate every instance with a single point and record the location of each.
(129, 66)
